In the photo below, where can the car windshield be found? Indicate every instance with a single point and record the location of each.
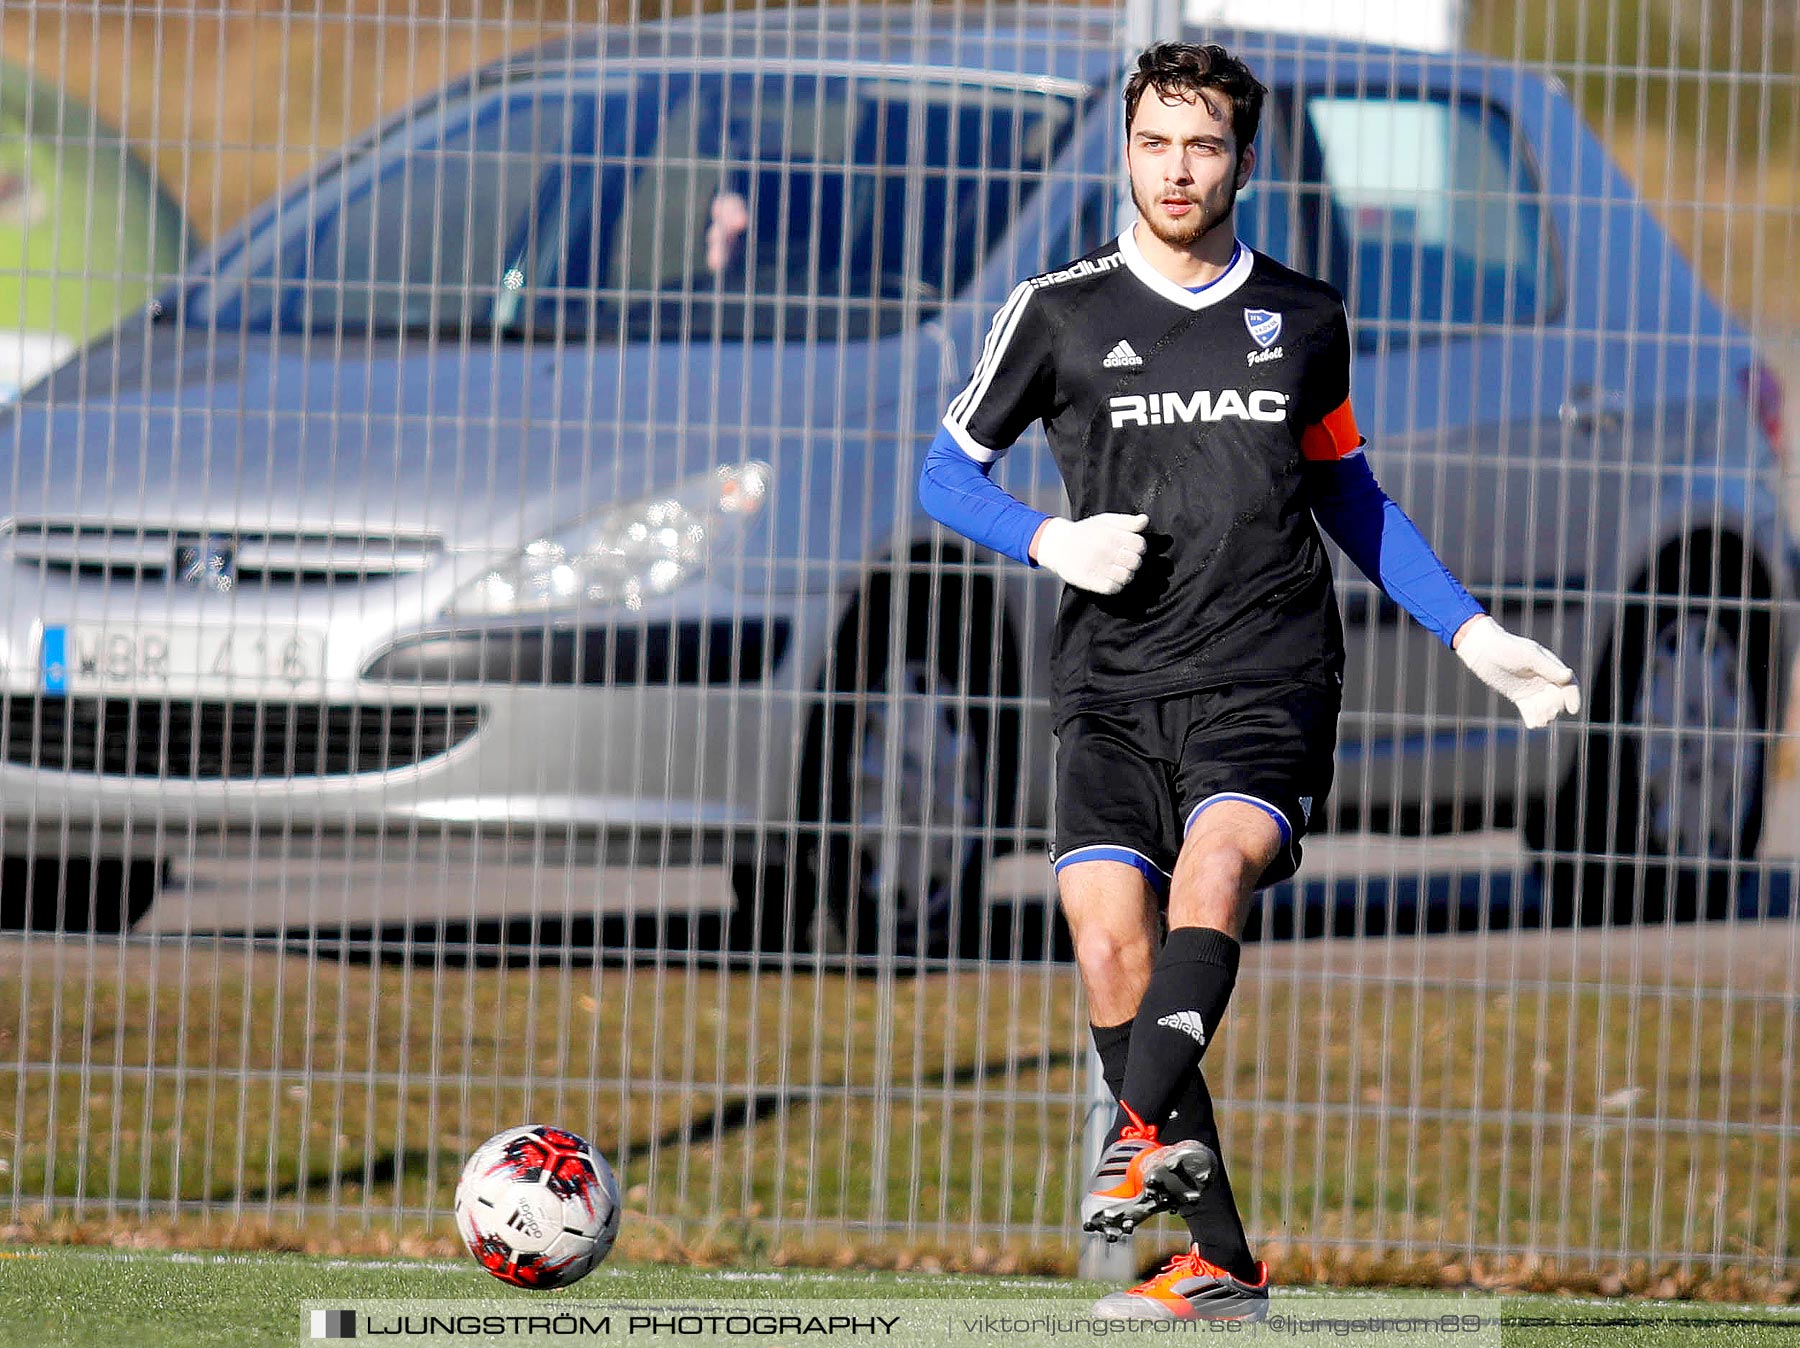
(671, 204)
(416, 233)
(751, 205)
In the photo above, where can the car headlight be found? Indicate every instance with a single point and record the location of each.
(627, 553)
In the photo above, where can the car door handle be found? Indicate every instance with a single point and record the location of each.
(1592, 409)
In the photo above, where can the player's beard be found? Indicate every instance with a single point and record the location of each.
(1184, 233)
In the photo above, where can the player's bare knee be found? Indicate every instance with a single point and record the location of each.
(1212, 886)
(1110, 950)
(1223, 867)
(1228, 868)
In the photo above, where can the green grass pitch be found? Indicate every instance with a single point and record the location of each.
(67, 1296)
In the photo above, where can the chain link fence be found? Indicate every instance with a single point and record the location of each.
(472, 654)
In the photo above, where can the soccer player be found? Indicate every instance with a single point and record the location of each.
(1195, 395)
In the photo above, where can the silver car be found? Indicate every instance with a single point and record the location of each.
(536, 479)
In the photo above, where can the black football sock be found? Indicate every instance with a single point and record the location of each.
(1112, 1043)
(1189, 990)
(1214, 1225)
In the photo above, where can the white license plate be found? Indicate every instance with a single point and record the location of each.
(174, 659)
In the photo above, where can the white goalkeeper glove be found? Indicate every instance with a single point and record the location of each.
(1540, 685)
(1100, 553)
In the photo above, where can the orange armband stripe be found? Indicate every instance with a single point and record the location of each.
(1336, 437)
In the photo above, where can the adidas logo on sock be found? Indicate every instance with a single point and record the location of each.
(1122, 355)
(1188, 1022)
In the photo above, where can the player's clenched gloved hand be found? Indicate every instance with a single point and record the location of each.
(1540, 685)
(1100, 553)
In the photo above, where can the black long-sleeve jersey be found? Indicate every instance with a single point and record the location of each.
(1197, 409)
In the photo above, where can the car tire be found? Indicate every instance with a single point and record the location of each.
(1664, 802)
(105, 896)
(908, 776)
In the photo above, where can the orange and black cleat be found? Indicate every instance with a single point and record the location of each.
(1190, 1288)
(1139, 1177)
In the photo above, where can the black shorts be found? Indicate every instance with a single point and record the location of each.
(1131, 779)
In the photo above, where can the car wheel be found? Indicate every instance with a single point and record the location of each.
(106, 896)
(903, 844)
(909, 771)
(1665, 801)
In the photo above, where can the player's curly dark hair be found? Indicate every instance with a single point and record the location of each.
(1176, 68)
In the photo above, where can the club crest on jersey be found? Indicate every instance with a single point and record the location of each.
(1264, 325)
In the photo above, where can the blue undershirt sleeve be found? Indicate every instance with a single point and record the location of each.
(957, 492)
(1386, 546)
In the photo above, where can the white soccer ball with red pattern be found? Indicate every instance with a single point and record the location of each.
(537, 1206)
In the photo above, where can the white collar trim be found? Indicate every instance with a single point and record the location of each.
(1211, 293)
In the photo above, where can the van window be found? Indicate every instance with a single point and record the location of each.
(1432, 212)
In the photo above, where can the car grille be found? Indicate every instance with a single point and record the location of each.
(227, 741)
(250, 557)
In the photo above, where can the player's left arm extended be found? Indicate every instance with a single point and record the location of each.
(1388, 548)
